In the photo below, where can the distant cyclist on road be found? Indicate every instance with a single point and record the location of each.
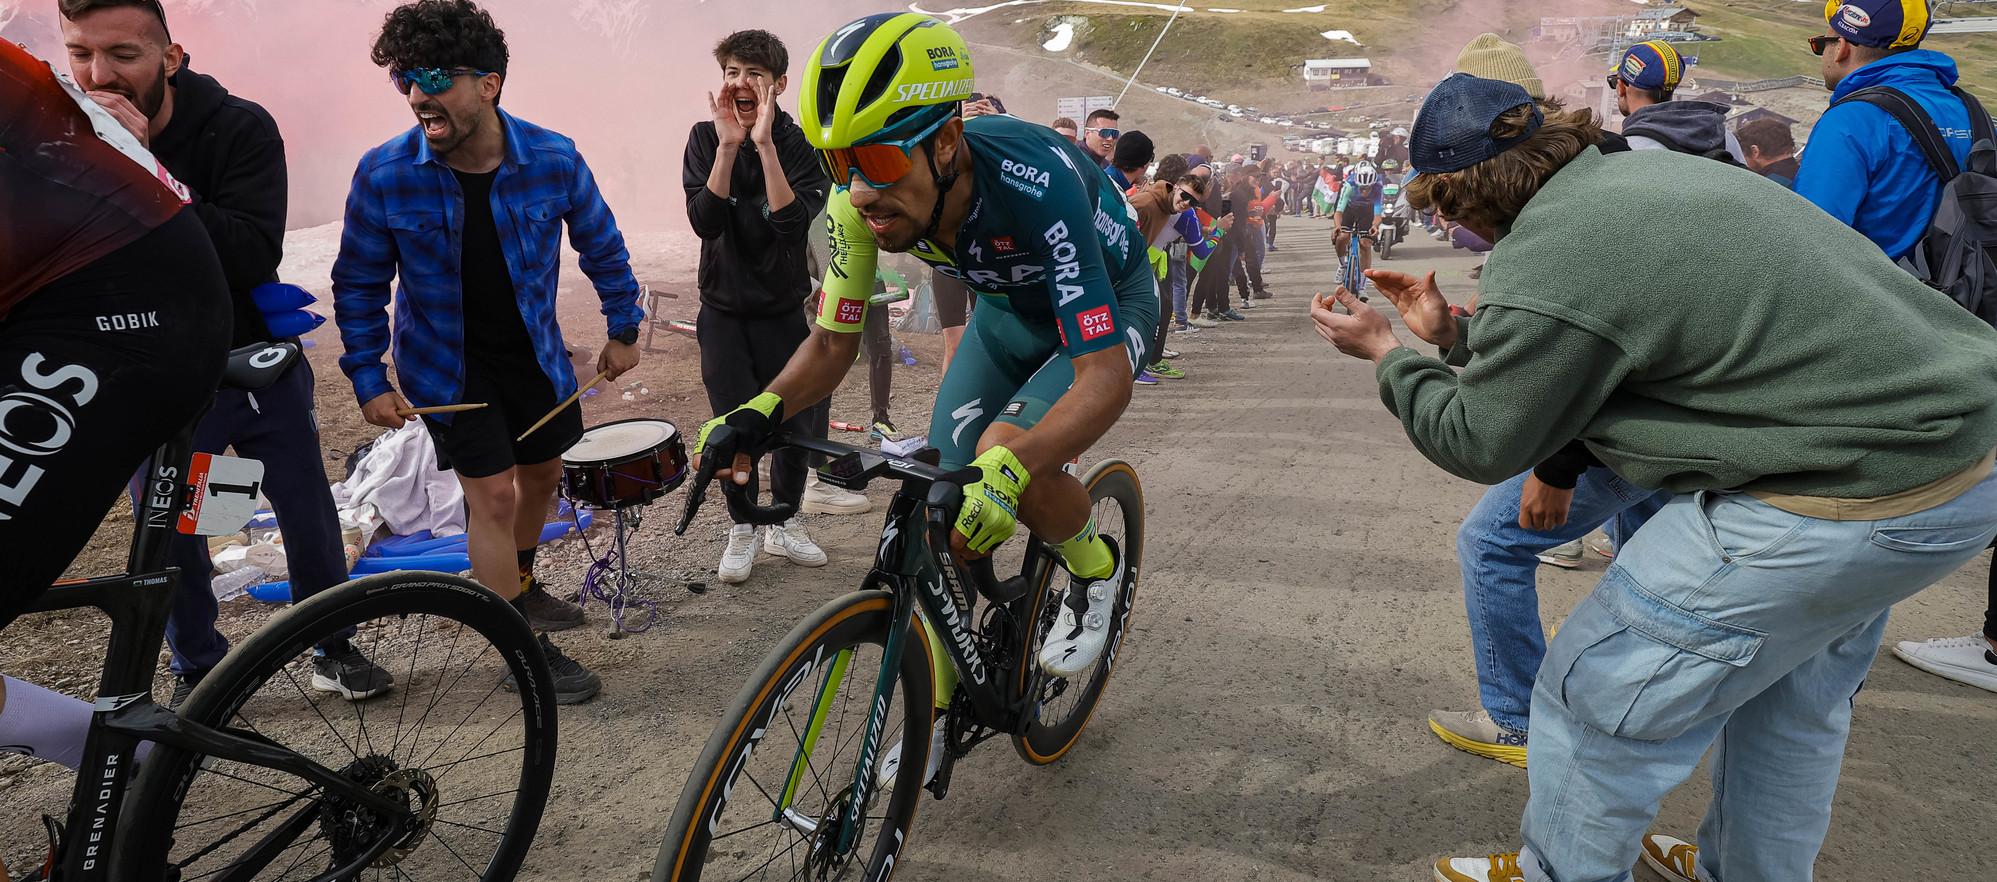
(1067, 300)
(1358, 212)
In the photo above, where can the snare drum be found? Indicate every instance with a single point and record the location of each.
(625, 463)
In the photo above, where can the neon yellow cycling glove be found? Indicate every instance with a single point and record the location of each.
(757, 422)
(991, 504)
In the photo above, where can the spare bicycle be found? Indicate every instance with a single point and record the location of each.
(256, 779)
(792, 784)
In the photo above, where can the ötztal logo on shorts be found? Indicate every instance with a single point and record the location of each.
(1096, 323)
(851, 311)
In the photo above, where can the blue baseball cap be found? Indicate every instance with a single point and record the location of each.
(1452, 131)
(1653, 64)
(1886, 24)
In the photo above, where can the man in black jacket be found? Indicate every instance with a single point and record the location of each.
(753, 186)
(228, 152)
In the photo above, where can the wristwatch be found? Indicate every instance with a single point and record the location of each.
(627, 336)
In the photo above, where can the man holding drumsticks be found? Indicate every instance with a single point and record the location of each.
(468, 207)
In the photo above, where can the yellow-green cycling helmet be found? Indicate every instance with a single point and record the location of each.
(877, 78)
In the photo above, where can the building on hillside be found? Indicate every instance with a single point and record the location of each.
(1332, 73)
(1718, 96)
(1750, 114)
(1663, 18)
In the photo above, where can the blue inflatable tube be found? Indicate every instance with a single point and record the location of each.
(414, 552)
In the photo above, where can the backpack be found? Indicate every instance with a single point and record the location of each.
(1958, 254)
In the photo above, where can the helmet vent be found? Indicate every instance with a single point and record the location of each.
(884, 74)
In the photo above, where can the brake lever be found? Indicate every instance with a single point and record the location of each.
(696, 493)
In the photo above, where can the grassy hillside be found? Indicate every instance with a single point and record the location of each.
(1256, 53)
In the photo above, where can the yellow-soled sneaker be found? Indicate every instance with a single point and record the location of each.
(1673, 858)
(1495, 868)
(1475, 733)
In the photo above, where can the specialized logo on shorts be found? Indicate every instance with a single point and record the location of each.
(1003, 245)
(1096, 323)
(850, 312)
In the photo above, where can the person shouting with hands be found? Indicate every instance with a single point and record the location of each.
(753, 186)
(467, 208)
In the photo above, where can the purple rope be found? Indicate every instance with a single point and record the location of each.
(608, 576)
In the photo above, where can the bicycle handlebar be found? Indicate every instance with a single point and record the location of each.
(852, 465)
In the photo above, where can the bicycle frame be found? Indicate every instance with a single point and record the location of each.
(124, 714)
(915, 564)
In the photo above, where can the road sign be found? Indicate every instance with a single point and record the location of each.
(1078, 109)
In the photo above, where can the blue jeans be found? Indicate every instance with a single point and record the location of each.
(1727, 624)
(1178, 274)
(1500, 587)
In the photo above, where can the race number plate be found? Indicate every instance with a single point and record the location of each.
(223, 494)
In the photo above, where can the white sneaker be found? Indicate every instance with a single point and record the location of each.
(1673, 858)
(740, 555)
(1076, 642)
(1566, 557)
(1962, 659)
(791, 541)
(1495, 868)
(1200, 321)
(891, 763)
(823, 498)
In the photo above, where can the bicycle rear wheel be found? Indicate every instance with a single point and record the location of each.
(767, 798)
(472, 759)
(1065, 704)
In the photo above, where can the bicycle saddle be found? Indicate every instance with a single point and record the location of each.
(258, 365)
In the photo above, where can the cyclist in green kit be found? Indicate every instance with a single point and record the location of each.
(1067, 299)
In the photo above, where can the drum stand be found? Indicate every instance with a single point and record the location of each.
(611, 579)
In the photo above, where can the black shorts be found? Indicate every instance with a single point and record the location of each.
(1359, 219)
(97, 370)
(479, 443)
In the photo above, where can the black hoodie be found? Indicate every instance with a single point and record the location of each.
(1695, 127)
(752, 259)
(227, 150)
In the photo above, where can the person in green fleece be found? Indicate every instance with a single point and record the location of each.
(1826, 421)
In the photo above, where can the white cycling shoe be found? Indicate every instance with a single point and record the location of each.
(884, 776)
(1077, 641)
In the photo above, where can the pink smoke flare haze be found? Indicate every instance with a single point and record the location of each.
(625, 78)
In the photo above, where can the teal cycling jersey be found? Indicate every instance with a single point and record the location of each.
(1047, 231)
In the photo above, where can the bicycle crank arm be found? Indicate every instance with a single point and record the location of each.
(150, 722)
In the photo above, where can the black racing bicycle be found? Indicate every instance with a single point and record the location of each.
(261, 775)
(792, 783)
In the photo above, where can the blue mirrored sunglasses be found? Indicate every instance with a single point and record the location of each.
(432, 80)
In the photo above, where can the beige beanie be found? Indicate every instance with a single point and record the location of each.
(1493, 58)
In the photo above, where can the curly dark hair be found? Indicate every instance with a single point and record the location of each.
(440, 33)
(760, 48)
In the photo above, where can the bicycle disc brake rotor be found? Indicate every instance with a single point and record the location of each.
(355, 829)
(825, 861)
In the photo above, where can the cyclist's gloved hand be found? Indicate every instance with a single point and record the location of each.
(755, 423)
(991, 503)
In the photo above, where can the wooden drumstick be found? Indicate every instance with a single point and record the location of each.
(562, 406)
(440, 408)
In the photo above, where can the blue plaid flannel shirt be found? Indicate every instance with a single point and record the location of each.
(405, 215)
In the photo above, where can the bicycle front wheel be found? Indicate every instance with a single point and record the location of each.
(770, 796)
(1065, 704)
(452, 739)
